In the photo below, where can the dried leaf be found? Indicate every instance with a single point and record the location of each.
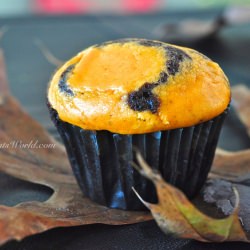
(47, 53)
(232, 166)
(175, 214)
(235, 166)
(46, 166)
(241, 102)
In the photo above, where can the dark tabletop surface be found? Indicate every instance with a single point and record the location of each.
(28, 73)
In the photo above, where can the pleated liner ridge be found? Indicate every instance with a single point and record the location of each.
(101, 160)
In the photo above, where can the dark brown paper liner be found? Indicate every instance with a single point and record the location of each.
(101, 160)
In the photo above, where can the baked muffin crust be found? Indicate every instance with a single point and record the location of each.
(135, 86)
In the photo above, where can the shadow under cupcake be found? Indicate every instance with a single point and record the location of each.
(167, 101)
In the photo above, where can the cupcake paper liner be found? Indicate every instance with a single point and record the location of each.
(101, 160)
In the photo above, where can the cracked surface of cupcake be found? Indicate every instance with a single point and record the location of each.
(167, 100)
(137, 86)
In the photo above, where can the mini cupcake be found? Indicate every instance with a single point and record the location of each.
(167, 101)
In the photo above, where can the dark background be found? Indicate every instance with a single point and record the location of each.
(29, 72)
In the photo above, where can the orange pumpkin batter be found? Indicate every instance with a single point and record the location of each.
(135, 86)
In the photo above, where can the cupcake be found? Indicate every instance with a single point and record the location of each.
(167, 101)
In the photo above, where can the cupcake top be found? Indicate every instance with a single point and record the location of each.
(135, 86)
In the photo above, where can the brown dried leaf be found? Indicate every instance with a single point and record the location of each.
(232, 166)
(235, 166)
(241, 102)
(49, 167)
(175, 214)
